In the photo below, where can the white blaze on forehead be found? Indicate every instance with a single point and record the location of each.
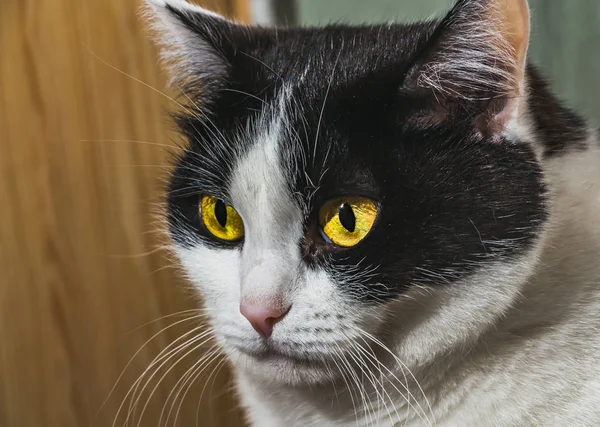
(261, 193)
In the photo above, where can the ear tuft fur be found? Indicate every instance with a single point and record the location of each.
(189, 37)
(478, 51)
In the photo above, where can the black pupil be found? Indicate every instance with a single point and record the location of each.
(347, 218)
(221, 213)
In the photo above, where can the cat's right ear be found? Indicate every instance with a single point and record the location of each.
(197, 45)
(475, 63)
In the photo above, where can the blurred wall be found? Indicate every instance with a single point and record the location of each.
(566, 45)
(83, 152)
(360, 11)
(565, 36)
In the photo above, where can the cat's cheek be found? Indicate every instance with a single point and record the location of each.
(426, 324)
(214, 273)
(323, 299)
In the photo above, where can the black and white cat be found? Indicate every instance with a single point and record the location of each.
(389, 224)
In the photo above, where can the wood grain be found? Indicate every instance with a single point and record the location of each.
(82, 156)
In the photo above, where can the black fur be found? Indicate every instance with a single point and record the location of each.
(450, 197)
(559, 128)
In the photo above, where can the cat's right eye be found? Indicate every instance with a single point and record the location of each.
(220, 219)
(346, 221)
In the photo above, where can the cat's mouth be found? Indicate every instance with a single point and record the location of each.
(289, 362)
(268, 353)
(290, 367)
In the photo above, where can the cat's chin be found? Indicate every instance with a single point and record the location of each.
(279, 368)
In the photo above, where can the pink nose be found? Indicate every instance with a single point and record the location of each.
(262, 319)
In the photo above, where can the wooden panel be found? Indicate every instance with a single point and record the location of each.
(82, 156)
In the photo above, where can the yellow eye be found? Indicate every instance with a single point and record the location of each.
(220, 219)
(347, 221)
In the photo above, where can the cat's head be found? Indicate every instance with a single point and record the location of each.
(347, 188)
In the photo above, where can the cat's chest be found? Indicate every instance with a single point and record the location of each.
(277, 414)
(462, 405)
(506, 396)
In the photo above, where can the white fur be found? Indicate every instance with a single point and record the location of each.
(159, 6)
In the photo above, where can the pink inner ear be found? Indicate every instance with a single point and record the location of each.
(496, 139)
(494, 117)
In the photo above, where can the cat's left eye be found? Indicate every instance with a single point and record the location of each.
(220, 219)
(346, 221)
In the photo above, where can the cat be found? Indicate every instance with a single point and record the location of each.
(393, 224)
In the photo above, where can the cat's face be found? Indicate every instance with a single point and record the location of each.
(349, 188)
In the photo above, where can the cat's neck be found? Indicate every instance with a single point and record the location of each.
(568, 273)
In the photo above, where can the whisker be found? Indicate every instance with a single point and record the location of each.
(372, 358)
(385, 348)
(117, 381)
(134, 78)
(343, 359)
(365, 373)
(420, 412)
(153, 391)
(135, 256)
(223, 140)
(154, 144)
(189, 377)
(214, 373)
(132, 392)
(336, 355)
(247, 94)
(178, 313)
(164, 267)
(184, 377)
(325, 100)
(266, 66)
(374, 382)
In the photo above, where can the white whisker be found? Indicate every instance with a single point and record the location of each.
(403, 365)
(325, 101)
(117, 381)
(153, 391)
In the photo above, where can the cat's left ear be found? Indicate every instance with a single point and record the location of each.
(198, 46)
(475, 60)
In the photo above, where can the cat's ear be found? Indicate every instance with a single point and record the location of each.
(476, 56)
(197, 45)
